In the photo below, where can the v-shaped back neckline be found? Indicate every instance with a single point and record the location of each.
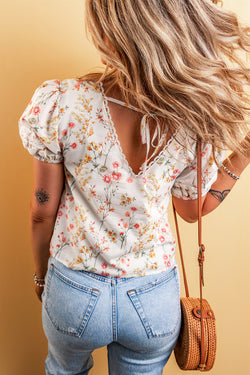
(145, 166)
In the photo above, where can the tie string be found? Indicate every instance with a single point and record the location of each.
(145, 131)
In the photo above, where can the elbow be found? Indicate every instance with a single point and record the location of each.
(36, 217)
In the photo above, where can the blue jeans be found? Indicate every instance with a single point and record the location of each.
(137, 318)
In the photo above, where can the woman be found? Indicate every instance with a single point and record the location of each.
(109, 152)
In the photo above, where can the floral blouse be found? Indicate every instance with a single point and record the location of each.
(110, 220)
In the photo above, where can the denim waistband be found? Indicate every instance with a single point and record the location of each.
(110, 279)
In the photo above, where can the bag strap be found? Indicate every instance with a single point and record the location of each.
(201, 257)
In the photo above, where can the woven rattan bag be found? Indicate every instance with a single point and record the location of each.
(196, 345)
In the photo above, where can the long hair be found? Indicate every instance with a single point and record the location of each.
(182, 60)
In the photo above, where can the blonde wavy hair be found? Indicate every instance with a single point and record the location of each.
(179, 60)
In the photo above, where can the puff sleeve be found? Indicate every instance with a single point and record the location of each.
(185, 186)
(39, 123)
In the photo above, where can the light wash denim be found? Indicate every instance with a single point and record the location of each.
(137, 318)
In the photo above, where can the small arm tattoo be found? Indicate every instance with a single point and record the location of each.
(41, 196)
(220, 195)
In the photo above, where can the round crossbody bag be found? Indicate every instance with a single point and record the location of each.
(196, 345)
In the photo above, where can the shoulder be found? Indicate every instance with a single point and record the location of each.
(76, 86)
(184, 145)
(68, 87)
(72, 92)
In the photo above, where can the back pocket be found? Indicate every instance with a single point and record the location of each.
(158, 305)
(69, 304)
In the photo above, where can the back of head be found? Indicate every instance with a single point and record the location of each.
(177, 59)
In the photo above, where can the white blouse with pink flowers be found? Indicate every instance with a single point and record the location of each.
(110, 220)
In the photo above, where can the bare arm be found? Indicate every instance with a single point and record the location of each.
(188, 209)
(45, 199)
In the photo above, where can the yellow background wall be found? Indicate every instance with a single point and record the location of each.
(44, 39)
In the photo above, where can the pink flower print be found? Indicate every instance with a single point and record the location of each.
(127, 214)
(92, 190)
(168, 264)
(165, 257)
(136, 226)
(125, 225)
(204, 152)
(130, 180)
(36, 110)
(162, 239)
(104, 265)
(63, 239)
(113, 265)
(122, 260)
(64, 132)
(133, 208)
(60, 213)
(57, 81)
(107, 178)
(105, 273)
(144, 180)
(73, 145)
(163, 230)
(77, 85)
(115, 164)
(207, 172)
(124, 272)
(116, 176)
(121, 233)
(71, 125)
(99, 116)
(71, 226)
(172, 249)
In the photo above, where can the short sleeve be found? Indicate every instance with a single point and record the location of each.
(39, 123)
(185, 186)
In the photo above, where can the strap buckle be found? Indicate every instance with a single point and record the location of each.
(201, 259)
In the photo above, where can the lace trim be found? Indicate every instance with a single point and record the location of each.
(116, 139)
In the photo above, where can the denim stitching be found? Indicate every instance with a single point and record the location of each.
(137, 304)
(140, 312)
(153, 284)
(114, 322)
(74, 284)
(94, 295)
